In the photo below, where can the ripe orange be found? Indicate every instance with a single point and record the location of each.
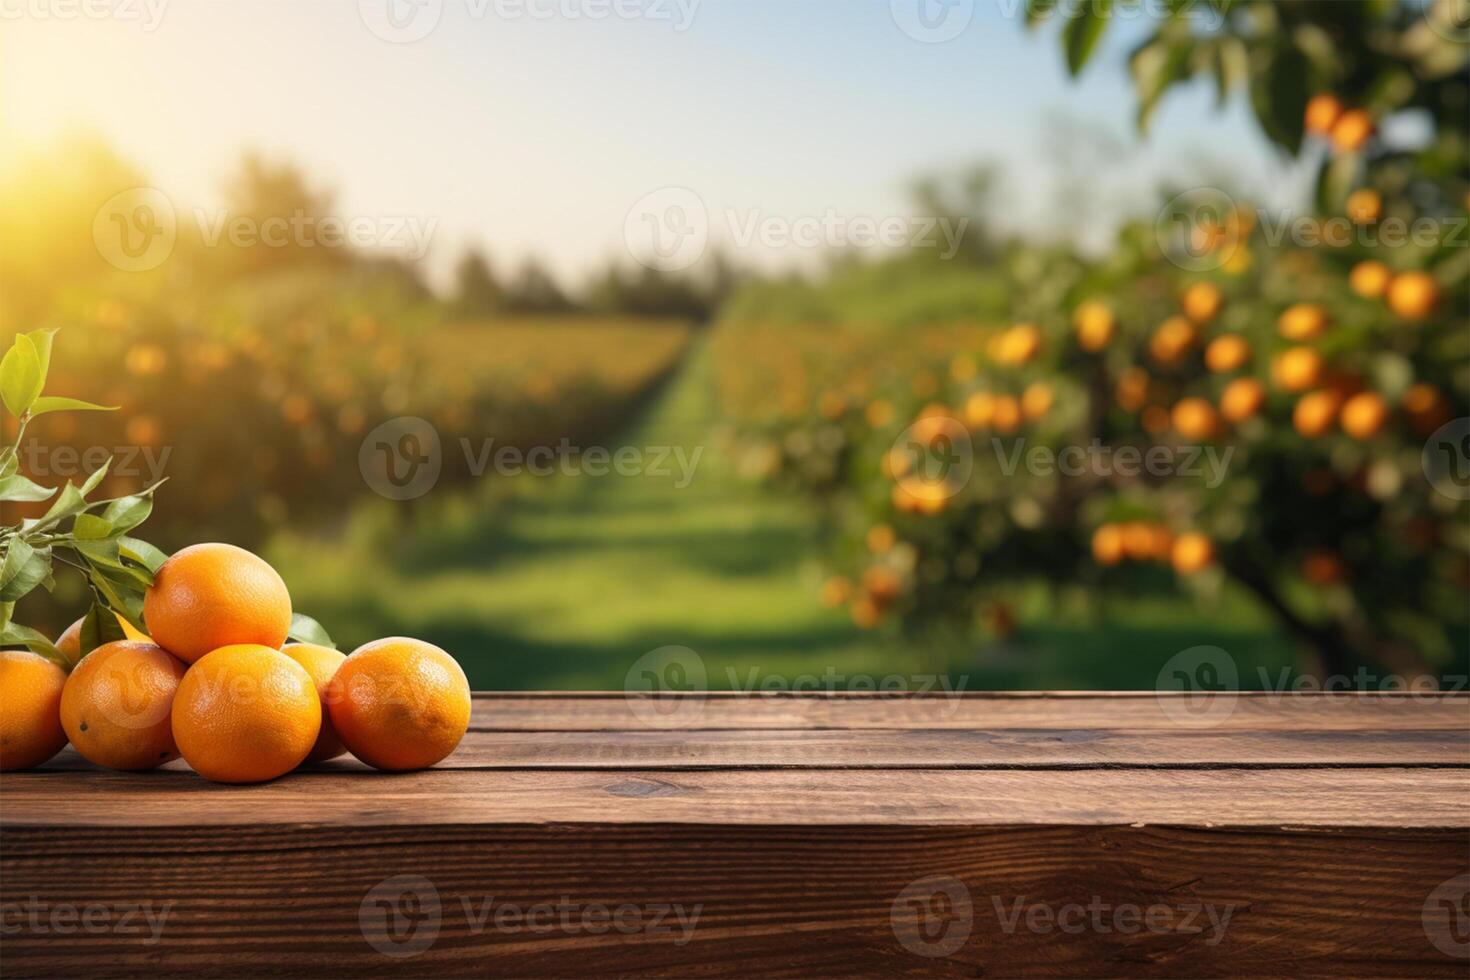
(321, 663)
(1413, 295)
(1107, 544)
(1017, 345)
(399, 703)
(70, 641)
(1364, 415)
(1036, 400)
(1364, 206)
(1163, 542)
(1323, 110)
(1195, 418)
(209, 596)
(1174, 337)
(1351, 130)
(246, 713)
(880, 539)
(1095, 325)
(979, 409)
(1241, 399)
(30, 709)
(1202, 302)
(1297, 368)
(115, 706)
(1227, 353)
(1006, 417)
(1192, 553)
(835, 592)
(1324, 567)
(1138, 540)
(1315, 413)
(1132, 391)
(865, 613)
(1426, 407)
(1304, 321)
(878, 413)
(1370, 279)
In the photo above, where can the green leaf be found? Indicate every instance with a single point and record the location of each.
(126, 513)
(1156, 65)
(123, 595)
(56, 403)
(20, 375)
(1280, 89)
(6, 608)
(1038, 10)
(90, 527)
(143, 553)
(1082, 32)
(304, 629)
(9, 463)
(70, 502)
(14, 633)
(24, 568)
(100, 626)
(19, 489)
(95, 478)
(41, 340)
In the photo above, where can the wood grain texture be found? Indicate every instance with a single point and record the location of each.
(1088, 835)
(740, 901)
(593, 712)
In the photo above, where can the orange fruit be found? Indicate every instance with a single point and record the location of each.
(1192, 553)
(321, 663)
(1304, 321)
(979, 409)
(1018, 345)
(1316, 413)
(1241, 399)
(1297, 368)
(1364, 414)
(1007, 414)
(1226, 353)
(1174, 337)
(246, 713)
(1413, 295)
(70, 642)
(1132, 391)
(1195, 418)
(881, 584)
(1202, 302)
(835, 592)
(30, 709)
(1095, 325)
(1370, 279)
(1138, 540)
(115, 706)
(1107, 544)
(1426, 407)
(209, 596)
(1036, 400)
(865, 613)
(1364, 206)
(878, 413)
(880, 538)
(1351, 130)
(1324, 567)
(1163, 542)
(1322, 111)
(399, 703)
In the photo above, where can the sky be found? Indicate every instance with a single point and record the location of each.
(531, 126)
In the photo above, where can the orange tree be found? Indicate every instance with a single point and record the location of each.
(1231, 395)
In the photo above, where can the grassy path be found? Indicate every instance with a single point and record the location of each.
(564, 582)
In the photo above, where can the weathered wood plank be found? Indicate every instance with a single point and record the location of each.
(702, 901)
(1088, 797)
(987, 711)
(934, 749)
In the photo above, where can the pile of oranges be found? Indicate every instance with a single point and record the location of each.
(217, 683)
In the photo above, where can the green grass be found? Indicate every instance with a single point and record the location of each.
(565, 582)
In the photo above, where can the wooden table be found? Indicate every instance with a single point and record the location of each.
(728, 835)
